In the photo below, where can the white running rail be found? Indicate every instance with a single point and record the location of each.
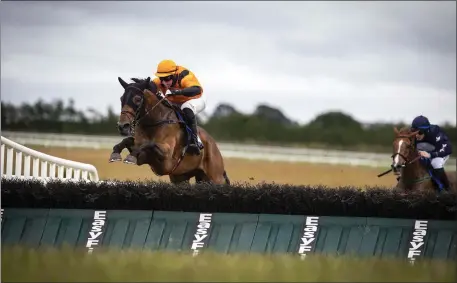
(229, 150)
(18, 165)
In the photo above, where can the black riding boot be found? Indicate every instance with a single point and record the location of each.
(192, 122)
(442, 177)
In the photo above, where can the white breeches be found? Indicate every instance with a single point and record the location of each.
(438, 162)
(197, 105)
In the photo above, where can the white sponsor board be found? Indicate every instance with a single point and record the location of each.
(201, 235)
(308, 236)
(417, 243)
(96, 231)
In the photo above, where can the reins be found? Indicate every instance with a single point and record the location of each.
(136, 116)
(403, 166)
(136, 121)
(402, 156)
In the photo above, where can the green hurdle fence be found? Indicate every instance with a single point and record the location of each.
(230, 232)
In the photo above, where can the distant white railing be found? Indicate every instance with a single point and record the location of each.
(18, 161)
(229, 150)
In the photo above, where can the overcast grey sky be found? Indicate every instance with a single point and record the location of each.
(378, 61)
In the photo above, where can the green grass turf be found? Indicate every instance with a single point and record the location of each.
(21, 264)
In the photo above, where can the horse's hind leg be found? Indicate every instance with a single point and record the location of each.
(215, 177)
(213, 163)
(179, 179)
(201, 177)
(227, 180)
(452, 177)
(215, 174)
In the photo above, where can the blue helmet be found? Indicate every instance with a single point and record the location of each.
(420, 122)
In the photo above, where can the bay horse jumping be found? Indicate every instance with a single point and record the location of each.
(158, 136)
(414, 171)
(125, 124)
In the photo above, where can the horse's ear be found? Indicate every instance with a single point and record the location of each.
(396, 131)
(146, 82)
(122, 82)
(412, 134)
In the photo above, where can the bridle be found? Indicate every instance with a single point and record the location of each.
(136, 115)
(410, 147)
(137, 119)
(407, 161)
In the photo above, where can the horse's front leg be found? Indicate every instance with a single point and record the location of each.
(117, 149)
(130, 145)
(399, 186)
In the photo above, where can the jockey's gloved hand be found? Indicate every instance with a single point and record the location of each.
(174, 92)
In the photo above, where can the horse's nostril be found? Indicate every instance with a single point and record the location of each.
(123, 126)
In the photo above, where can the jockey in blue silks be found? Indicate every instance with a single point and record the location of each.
(439, 147)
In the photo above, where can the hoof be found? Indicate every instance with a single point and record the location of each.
(130, 159)
(115, 157)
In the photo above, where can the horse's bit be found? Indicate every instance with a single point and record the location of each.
(404, 165)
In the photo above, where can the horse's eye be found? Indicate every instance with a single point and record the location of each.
(137, 100)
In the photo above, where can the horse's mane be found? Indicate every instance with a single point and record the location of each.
(404, 132)
(142, 82)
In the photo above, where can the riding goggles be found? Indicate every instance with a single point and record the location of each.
(421, 130)
(167, 78)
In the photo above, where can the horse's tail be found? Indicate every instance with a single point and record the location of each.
(227, 180)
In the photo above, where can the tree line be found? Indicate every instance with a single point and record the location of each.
(266, 125)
